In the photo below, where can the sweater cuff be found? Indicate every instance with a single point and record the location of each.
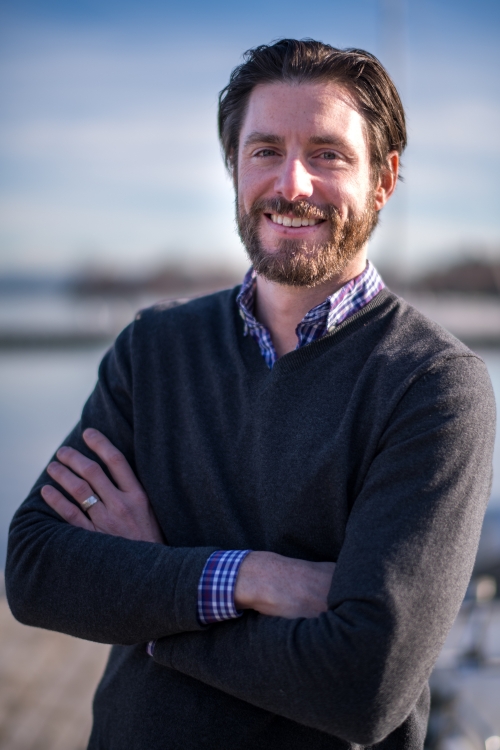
(217, 584)
(216, 589)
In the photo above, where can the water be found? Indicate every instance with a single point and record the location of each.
(41, 396)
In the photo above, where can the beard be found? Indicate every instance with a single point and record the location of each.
(299, 262)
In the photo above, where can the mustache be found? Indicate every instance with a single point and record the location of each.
(300, 209)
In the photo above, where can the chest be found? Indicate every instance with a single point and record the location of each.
(271, 463)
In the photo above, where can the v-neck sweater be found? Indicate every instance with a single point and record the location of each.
(370, 447)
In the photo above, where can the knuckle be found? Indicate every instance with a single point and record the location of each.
(92, 470)
(115, 458)
(72, 513)
(82, 491)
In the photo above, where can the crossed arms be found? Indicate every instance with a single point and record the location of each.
(267, 582)
(354, 670)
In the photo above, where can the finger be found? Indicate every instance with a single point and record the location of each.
(113, 458)
(68, 511)
(74, 485)
(88, 470)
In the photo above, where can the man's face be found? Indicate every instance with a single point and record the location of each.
(306, 200)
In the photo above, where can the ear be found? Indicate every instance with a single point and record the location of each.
(387, 180)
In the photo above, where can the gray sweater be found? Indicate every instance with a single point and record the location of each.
(370, 447)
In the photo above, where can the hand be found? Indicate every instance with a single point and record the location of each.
(124, 510)
(283, 586)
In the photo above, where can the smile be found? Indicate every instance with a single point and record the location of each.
(288, 221)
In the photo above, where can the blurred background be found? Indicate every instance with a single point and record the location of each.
(113, 195)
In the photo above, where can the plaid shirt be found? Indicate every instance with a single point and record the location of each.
(218, 579)
(319, 321)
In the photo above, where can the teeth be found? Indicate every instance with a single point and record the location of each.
(288, 222)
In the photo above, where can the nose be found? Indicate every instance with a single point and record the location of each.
(294, 181)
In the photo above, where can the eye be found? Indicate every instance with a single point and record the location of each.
(265, 152)
(329, 155)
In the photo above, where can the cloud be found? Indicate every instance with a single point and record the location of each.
(469, 124)
(159, 152)
(108, 140)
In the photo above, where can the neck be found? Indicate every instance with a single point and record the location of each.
(281, 308)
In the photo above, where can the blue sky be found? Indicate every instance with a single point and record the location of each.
(108, 148)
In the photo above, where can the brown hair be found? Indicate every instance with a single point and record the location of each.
(305, 60)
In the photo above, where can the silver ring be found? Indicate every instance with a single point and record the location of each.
(89, 502)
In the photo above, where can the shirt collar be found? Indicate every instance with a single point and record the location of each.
(355, 293)
(320, 320)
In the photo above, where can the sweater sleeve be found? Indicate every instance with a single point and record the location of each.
(90, 585)
(358, 669)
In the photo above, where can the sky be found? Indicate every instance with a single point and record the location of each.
(108, 146)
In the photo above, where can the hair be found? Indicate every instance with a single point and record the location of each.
(306, 61)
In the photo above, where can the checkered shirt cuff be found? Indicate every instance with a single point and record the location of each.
(216, 586)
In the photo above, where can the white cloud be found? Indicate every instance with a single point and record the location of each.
(166, 151)
(110, 143)
(464, 123)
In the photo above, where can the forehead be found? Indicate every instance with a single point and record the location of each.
(296, 111)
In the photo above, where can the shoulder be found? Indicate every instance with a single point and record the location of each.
(438, 363)
(411, 340)
(181, 325)
(198, 310)
(411, 349)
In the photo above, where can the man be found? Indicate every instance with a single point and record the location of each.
(298, 468)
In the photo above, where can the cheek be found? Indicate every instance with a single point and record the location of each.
(252, 185)
(247, 192)
(351, 199)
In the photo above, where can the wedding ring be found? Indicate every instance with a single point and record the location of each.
(89, 502)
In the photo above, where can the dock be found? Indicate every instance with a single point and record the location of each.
(47, 681)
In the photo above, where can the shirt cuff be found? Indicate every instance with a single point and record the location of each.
(217, 584)
(216, 589)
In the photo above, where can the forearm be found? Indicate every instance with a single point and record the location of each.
(318, 672)
(96, 586)
(354, 672)
(282, 586)
(93, 585)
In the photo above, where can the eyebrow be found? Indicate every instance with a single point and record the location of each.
(326, 140)
(316, 140)
(258, 137)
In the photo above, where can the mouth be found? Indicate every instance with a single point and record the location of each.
(293, 221)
